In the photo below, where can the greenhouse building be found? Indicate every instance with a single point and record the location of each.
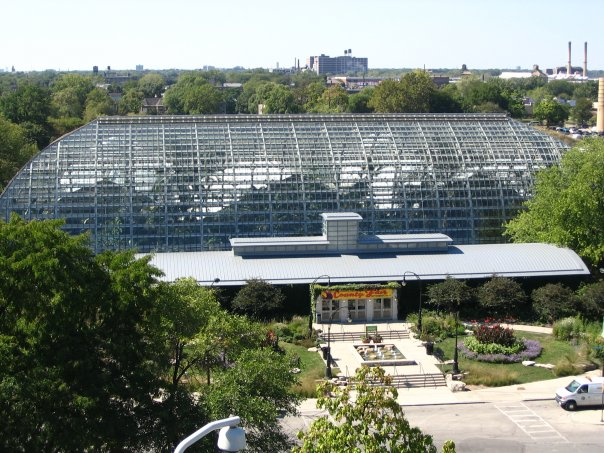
(192, 183)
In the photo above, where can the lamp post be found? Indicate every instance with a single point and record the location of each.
(312, 285)
(455, 369)
(230, 438)
(419, 313)
(216, 280)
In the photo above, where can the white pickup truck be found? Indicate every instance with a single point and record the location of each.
(581, 392)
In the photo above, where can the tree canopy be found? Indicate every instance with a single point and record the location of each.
(97, 355)
(567, 207)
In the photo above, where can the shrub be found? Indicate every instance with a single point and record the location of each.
(567, 366)
(567, 329)
(478, 347)
(501, 296)
(438, 327)
(554, 301)
(496, 334)
(591, 300)
(532, 349)
(259, 300)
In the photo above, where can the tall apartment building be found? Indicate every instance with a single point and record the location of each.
(324, 64)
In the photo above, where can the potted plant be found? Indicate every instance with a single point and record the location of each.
(365, 339)
(377, 338)
(428, 342)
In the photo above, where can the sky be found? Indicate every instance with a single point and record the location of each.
(189, 34)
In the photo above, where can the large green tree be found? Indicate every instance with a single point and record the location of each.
(551, 111)
(15, 150)
(501, 297)
(193, 94)
(74, 375)
(567, 207)
(29, 106)
(152, 85)
(451, 294)
(97, 355)
(259, 300)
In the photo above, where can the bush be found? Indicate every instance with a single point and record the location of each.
(259, 300)
(437, 327)
(532, 349)
(554, 301)
(478, 347)
(567, 329)
(495, 334)
(591, 300)
(568, 366)
(501, 296)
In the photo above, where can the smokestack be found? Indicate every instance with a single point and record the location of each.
(569, 67)
(600, 120)
(585, 62)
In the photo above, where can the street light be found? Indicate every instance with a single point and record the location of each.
(310, 320)
(455, 369)
(419, 314)
(230, 437)
(216, 280)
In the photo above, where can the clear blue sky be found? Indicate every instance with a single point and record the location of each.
(189, 34)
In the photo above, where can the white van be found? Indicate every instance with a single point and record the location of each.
(581, 392)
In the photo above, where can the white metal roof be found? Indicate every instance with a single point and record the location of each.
(463, 261)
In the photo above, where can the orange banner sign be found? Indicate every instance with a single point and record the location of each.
(377, 293)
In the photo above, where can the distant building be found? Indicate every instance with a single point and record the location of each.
(536, 72)
(324, 64)
(153, 106)
(139, 68)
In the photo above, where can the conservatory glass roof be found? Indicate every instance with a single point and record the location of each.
(190, 183)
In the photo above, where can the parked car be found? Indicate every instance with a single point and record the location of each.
(581, 392)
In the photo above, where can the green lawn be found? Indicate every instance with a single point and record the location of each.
(312, 366)
(498, 374)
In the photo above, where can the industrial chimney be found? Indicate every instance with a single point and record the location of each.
(600, 120)
(569, 68)
(585, 61)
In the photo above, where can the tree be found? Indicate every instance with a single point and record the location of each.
(73, 343)
(567, 208)
(450, 294)
(69, 93)
(359, 102)
(363, 417)
(591, 300)
(97, 355)
(417, 91)
(258, 389)
(387, 97)
(554, 301)
(15, 150)
(152, 85)
(259, 300)
(131, 101)
(501, 296)
(581, 112)
(192, 95)
(98, 103)
(551, 111)
(332, 100)
(29, 107)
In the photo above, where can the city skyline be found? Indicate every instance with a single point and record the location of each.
(77, 35)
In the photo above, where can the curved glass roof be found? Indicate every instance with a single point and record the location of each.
(190, 183)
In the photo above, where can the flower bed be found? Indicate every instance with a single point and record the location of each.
(532, 349)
